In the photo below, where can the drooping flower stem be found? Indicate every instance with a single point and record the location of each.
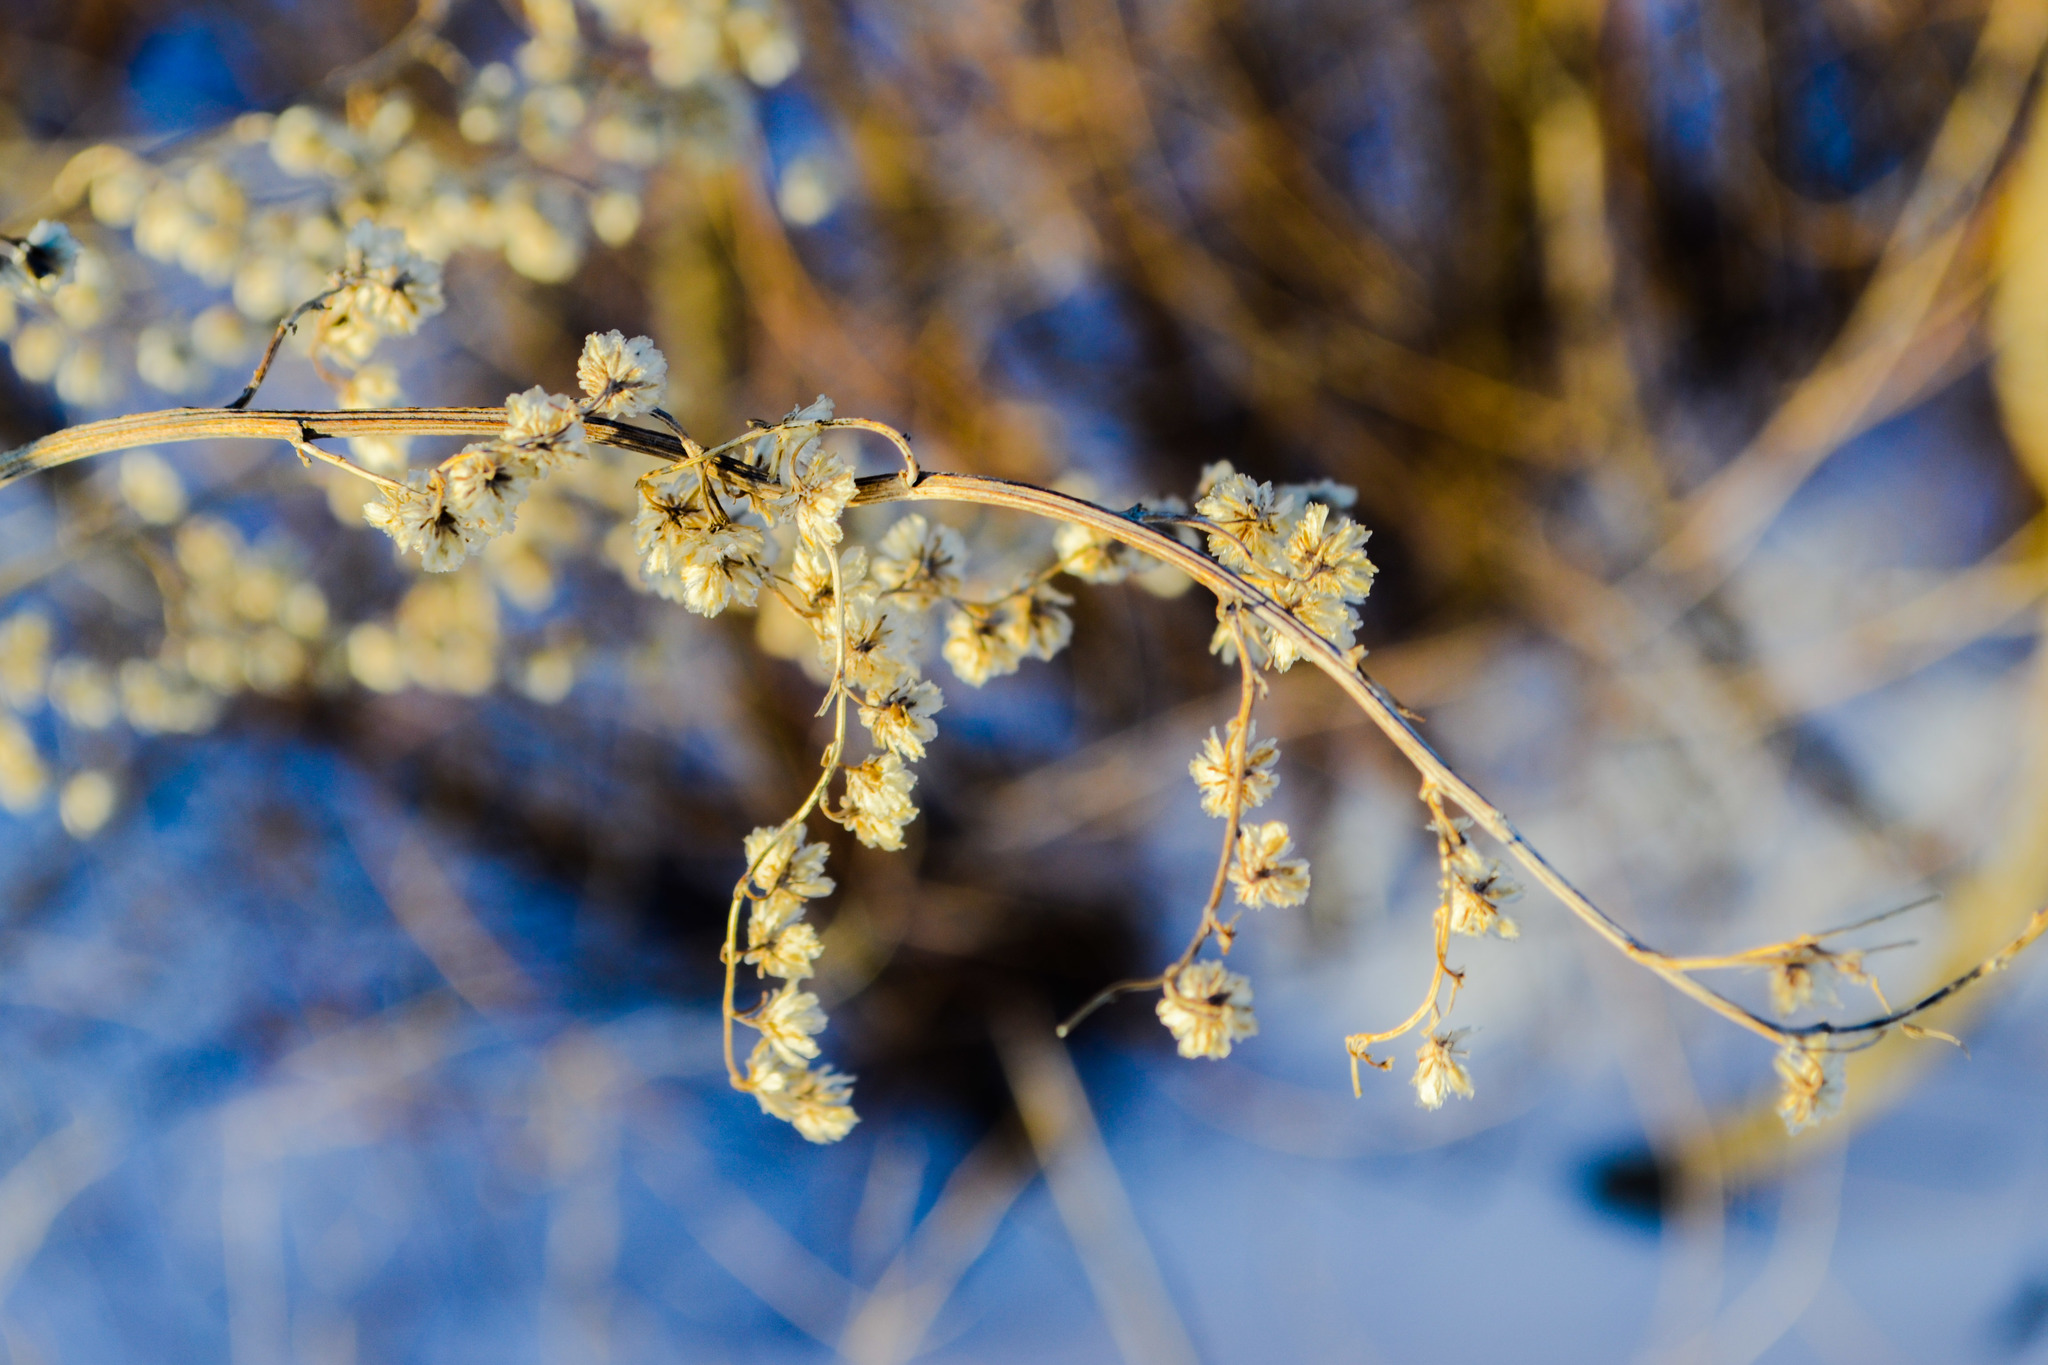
(1240, 745)
(835, 695)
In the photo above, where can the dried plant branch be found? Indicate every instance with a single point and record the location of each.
(1136, 529)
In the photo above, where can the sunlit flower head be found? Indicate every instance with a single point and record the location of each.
(1261, 870)
(1207, 1007)
(418, 518)
(1438, 1072)
(900, 719)
(1214, 770)
(621, 377)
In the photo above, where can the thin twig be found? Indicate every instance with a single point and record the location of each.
(1103, 997)
(308, 452)
(284, 328)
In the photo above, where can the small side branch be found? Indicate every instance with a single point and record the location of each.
(284, 329)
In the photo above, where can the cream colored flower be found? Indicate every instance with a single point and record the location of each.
(787, 871)
(23, 778)
(1034, 622)
(1803, 972)
(373, 386)
(1260, 870)
(1207, 1008)
(156, 699)
(1475, 907)
(417, 517)
(875, 645)
(901, 718)
(689, 556)
(83, 693)
(729, 571)
(1438, 1073)
(346, 332)
(85, 802)
(621, 378)
(819, 410)
(1473, 885)
(42, 262)
(486, 483)
(24, 659)
(1330, 617)
(877, 804)
(1213, 770)
(1330, 560)
(1475, 889)
(672, 525)
(810, 573)
(919, 560)
(1249, 519)
(385, 283)
(820, 490)
(786, 860)
(1259, 642)
(815, 1102)
(1813, 1085)
(1795, 982)
(547, 426)
(787, 954)
(980, 644)
(778, 452)
(787, 1022)
(1093, 556)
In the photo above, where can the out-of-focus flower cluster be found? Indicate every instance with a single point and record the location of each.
(236, 619)
(543, 153)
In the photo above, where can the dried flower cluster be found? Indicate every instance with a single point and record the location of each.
(1438, 1072)
(237, 619)
(1289, 544)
